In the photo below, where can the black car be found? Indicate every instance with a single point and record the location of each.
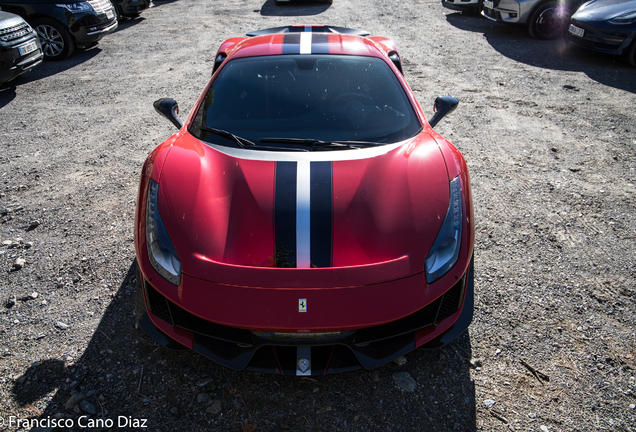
(64, 24)
(20, 49)
(129, 8)
(607, 26)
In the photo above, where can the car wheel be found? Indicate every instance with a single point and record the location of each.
(548, 21)
(57, 43)
(631, 54)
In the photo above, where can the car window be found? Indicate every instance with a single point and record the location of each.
(321, 97)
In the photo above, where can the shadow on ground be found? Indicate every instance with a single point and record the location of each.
(45, 70)
(123, 376)
(309, 7)
(516, 43)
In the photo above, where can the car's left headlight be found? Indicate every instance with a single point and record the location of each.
(161, 253)
(76, 7)
(445, 251)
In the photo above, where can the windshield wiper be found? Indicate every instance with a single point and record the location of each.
(240, 141)
(317, 144)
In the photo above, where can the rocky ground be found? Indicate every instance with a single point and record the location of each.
(549, 134)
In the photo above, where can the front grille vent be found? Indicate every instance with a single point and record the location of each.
(15, 31)
(100, 6)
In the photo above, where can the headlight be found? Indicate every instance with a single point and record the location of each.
(161, 252)
(624, 18)
(445, 250)
(76, 7)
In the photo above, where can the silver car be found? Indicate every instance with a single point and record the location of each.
(546, 19)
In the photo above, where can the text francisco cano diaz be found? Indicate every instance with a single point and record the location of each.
(82, 422)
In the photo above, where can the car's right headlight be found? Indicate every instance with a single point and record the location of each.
(161, 253)
(624, 18)
(76, 7)
(445, 251)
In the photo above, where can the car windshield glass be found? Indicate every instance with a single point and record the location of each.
(310, 97)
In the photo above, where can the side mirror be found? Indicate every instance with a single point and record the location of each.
(443, 105)
(168, 108)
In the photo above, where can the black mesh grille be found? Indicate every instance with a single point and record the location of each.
(452, 300)
(158, 304)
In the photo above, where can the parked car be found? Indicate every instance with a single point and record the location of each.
(306, 218)
(129, 8)
(607, 26)
(545, 19)
(469, 6)
(20, 49)
(63, 26)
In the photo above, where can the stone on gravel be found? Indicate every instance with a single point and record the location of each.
(404, 381)
(61, 325)
(88, 407)
(19, 263)
(73, 400)
(202, 397)
(33, 295)
(489, 403)
(400, 361)
(215, 408)
(174, 410)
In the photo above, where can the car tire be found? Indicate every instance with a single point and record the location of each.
(548, 21)
(57, 43)
(477, 10)
(631, 54)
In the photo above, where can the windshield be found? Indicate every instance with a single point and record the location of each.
(311, 97)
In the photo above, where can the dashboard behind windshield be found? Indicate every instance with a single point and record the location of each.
(320, 97)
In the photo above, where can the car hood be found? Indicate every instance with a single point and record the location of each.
(600, 10)
(227, 208)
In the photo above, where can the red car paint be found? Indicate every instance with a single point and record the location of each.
(387, 209)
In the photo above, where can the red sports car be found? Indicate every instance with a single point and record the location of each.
(306, 219)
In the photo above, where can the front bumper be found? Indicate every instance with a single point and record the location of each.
(12, 64)
(433, 326)
(610, 40)
(506, 11)
(461, 5)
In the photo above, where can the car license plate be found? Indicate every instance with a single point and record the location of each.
(489, 4)
(110, 14)
(576, 31)
(28, 48)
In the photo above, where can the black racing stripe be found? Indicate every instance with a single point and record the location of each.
(320, 43)
(285, 214)
(291, 43)
(321, 213)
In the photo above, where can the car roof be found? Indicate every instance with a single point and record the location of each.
(303, 39)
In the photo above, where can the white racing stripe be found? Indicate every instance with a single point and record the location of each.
(305, 43)
(303, 228)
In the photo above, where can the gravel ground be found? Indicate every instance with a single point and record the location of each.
(548, 132)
